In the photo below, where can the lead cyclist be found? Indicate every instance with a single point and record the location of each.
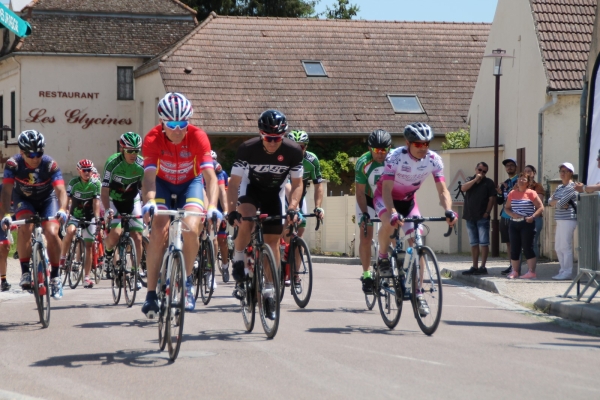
(404, 172)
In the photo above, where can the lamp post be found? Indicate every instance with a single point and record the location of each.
(497, 55)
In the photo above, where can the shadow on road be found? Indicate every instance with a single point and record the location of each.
(84, 305)
(329, 310)
(140, 323)
(200, 309)
(360, 329)
(131, 358)
(20, 326)
(229, 335)
(538, 326)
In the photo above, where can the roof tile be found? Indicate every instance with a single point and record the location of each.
(164, 7)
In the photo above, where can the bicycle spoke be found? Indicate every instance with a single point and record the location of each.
(427, 289)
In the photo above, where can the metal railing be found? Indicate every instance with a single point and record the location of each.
(588, 226)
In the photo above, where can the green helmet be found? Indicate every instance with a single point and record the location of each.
(298, 136)
(131, 140)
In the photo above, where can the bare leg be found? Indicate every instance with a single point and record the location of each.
(475, 255)
(484, 254)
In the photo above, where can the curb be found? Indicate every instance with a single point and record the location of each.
(569, 309)
(336, 260)
(479, 283)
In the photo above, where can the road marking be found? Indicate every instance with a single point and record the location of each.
(396, 356)
(5, 395)
(556, 347)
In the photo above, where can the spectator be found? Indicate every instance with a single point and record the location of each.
(480, 195)
(523, 205)
(510, 166)
(566, 220)
(581, 188)
(539, 221)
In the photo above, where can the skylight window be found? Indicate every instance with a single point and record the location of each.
(314, 68)
(406, 104)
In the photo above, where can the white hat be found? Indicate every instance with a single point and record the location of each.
(568, 166)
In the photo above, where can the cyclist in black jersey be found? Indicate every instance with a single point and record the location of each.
(258, 180)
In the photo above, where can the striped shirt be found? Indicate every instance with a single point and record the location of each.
(521, 203)
(564, 194)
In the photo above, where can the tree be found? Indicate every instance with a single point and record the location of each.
(460, 139)
(254, 8)
(342, 10)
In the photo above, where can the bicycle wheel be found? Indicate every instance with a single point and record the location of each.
(41, 285)
(267, 286)
(97, 269)
(390, 297)
(249, 304)
(77, 262)
(66, 271)
(176, 305)
(430, 314)
(129, 263)
(142, 272)
(206, 270)
(282, 281)
(301, 273)
(116, 282)
(162, 303)
(370, 298)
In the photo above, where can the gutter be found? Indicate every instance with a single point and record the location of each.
(44, 54)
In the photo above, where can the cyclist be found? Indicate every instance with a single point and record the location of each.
(4, 249)
(35, 184)
(84, 192)
(258, 180)
(121, 183)
(404, 172)
(175, 152)
(312, 172)
(369, 169)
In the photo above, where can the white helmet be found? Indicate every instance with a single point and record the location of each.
(175, 107)
(418, 131)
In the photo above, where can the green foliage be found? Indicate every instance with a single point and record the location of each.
(342, 10)
(460, 139)
(332, 169)
(254, 8)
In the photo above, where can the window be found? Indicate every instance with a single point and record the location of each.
(406, 104)
(13, 119)
(314, 68)
(124, 83)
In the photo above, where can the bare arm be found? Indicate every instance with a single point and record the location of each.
(6, 197)
(318, 195)
(61, 195)
(539, 207)
(296, 193)
(508, 209)
(490, 205)
(232, 192)
(223, 197)
(444, 194)
(211, 187)
(361, 197)
(386, 192)
(149, 185)
(105, 197)
(468, 185)
(96, 208)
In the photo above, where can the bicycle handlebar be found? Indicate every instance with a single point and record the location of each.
(420, 220)
(175, 213)
(32, 220)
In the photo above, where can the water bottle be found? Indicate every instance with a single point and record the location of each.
(407, 258)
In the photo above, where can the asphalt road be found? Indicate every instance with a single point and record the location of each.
(485, 347)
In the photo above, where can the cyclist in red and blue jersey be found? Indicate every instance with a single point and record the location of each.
(35, 184)
(175, 154)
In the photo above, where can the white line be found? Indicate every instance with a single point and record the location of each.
(395, 356)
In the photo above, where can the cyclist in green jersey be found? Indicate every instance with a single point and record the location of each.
(121, 184)
(84, 197)
(369, 169)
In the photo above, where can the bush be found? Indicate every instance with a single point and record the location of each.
(460, 139)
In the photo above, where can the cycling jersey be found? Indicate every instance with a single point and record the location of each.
(177, 163)
(312, 171)
(82, 196)
(368, 171)
(33, 184)
(124, 180)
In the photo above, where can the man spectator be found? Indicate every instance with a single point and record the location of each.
(510, 165)
(480, 195)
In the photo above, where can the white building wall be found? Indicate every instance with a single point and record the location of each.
(10, 78)
(149, 89)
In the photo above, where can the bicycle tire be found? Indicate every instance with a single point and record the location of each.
(304, 271)
(162, 303)
(249, 305)
(431, 291)
(282, 281)
(100, 264)
(389, 297)
(143, 267)
(266, 260)
(129, 264)
(77, 262)
(66, 271)
(176, 303)
(116, 282)
(370, 298)
(41, 274)
(206, 271)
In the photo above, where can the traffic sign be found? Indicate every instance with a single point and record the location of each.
(13, 22)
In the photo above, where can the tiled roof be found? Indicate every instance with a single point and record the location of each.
(57, 33)
(165, 7)
(564, 29)
(242, 66)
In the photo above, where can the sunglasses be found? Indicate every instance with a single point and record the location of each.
(86, 170)
(420, 145)
(35, 155)
(380, 151)
(271, 138)
(483, 171)
(176, 124)
(132, 151)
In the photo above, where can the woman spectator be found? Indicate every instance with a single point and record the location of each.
(523, 205)
(566, 220)
(539, 221)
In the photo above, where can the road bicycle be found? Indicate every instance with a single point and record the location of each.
(298, 260)
(39, 267)
(204, 267)
(98, 253)
(73, 270)
(171, 282)
(422, 285)
(262, 281)
(143, 267)
(370, 298)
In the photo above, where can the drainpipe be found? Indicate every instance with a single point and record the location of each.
(541, 133)
(583, 131)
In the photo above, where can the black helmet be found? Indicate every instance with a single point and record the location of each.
(272, 122)
(31, 141)
(418, 131)
(379, 139)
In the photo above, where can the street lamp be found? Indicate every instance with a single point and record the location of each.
(497, 55)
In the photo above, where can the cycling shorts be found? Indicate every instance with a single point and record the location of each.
(45, 208)
(135, 224)
(88, 233)
(189, 194)
(407, 209)
(370, 211)
(271, 203)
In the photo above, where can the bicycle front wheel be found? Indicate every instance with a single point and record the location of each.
(301, 272)
(427, 291)
(142, 272)
(370, 298)
(163, 306)
(267, 290)
(129, 263)
(99, 263)
(249, 304)
(389, 297)
(176, 304)
(77, 262)
(41, 285)
(206, 268)
(116, 282)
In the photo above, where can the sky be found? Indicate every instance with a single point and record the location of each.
(422, 10)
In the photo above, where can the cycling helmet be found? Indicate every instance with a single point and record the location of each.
(418, 131)
(213, 154)
(272, 122)
(379, 139)
(175, 107)
(299, 136)
(130, 140)
(85, 164)
(31, 141)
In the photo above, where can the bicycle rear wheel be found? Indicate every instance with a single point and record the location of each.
(389, 297)
(77, 262)
(176, 303)
(370, 298)
(249, 304)
(116, 282)
(142, 272)
(430, 313)
(41, 285)
(301, 273)
(164, 307)
(129, 263)
(206, 268)
(267, 286)
(65, 271)
(97, 254)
